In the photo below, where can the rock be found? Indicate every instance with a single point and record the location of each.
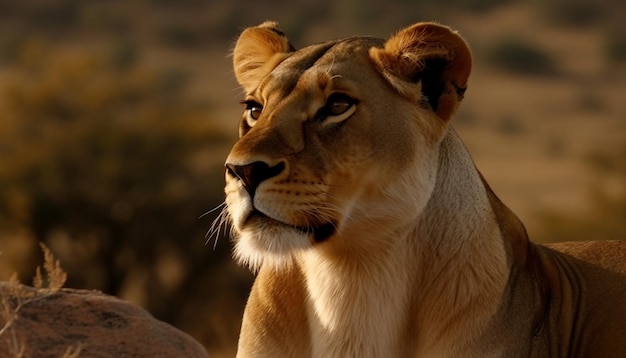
(43, 323)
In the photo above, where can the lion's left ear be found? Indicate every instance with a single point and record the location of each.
(427, 60)
(258, 50)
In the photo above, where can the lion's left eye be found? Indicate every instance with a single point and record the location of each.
(338, 107)
(338, 104)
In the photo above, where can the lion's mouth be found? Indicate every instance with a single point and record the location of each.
(319, 233)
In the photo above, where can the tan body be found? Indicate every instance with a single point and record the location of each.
(373, 233)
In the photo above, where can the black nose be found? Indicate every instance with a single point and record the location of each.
(253, 174)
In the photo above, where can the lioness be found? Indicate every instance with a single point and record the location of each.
(372, 231)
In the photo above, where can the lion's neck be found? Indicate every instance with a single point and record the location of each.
(465, 268)
(445, 270)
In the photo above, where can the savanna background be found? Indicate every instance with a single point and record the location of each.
(116, 116)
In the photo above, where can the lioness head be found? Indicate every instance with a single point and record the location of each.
(339, 141)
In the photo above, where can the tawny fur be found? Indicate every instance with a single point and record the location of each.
(373, 233)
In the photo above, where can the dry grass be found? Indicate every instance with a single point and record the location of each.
(48, 280)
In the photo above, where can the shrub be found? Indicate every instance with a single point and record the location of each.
(111, 166)
(574, 13)
(177, 35)
(615, 47)
(520, 56)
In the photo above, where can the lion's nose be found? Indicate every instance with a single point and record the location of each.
(253, 174)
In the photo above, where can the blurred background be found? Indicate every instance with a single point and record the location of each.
(116, 116)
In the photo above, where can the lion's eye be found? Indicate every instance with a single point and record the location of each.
(338, 104)
(253, 111)
(338, 107)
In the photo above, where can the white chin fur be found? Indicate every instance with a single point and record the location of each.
(273, 246)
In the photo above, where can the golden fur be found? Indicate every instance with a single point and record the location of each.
(373, 233)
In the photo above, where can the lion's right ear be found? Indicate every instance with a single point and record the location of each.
(258, 50)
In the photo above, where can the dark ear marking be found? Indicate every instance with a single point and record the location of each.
(433, 85)
(277, 31)
(460, 90)
(432, 82)
(280, 32)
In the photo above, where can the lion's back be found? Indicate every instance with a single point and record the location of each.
(604, 255)
(590, 294)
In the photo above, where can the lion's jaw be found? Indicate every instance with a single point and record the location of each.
(270, 228)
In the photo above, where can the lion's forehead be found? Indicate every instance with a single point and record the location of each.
(314, 66)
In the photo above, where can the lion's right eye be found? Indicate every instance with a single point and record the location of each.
(253, 112)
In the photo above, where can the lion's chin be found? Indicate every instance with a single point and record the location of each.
(263, 240)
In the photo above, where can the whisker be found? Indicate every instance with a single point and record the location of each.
(328, 210)
(216, 227)
(213, 210)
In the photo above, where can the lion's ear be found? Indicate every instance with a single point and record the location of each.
(427, 60)
(257, 51)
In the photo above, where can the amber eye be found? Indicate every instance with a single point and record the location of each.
(338, 104)
(338, 107)
(253, 111)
